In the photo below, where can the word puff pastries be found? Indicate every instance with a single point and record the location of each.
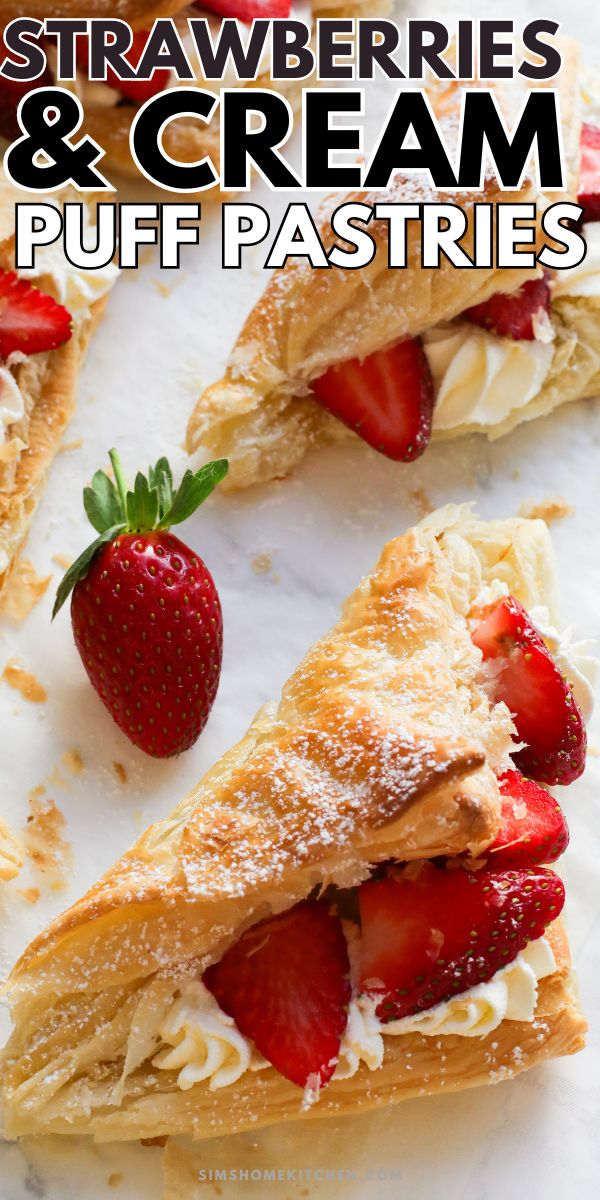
(262, 416)
(37, 393)
(382, 746)
(109, 114)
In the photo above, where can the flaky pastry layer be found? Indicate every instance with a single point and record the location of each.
(48, 385)
(383, 745)
(185, 140)
(260, 414)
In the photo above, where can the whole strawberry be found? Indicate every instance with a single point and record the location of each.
(145, 611)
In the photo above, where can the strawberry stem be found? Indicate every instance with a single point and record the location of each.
(152, 505)
(117, 467)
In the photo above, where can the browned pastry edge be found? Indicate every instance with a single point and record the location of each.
(414, 1065)
(51, 412)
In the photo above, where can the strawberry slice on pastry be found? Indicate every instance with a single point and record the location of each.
(30, 321)
(589, 175)
(525, 676)
(286, 985)
(387, 398)
(533, 827)
(431, 932)
(513, 316)
(247, 10)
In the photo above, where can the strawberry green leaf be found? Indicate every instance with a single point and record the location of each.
(78, 570)
(102, 503)
(161, 478)
(193, 490)
(142, 505)
(151, 505)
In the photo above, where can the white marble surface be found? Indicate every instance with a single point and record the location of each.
(164, 336)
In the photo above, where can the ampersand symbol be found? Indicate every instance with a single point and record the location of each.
(46, 158)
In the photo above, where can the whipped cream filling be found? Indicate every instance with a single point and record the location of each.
(203, 1044)
(511, 995)
(75, 287)
(12, 405)
(573, 658)
(480, 378)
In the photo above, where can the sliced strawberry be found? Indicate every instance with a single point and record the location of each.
(137, 90)
(545, 712)
(533, 828)
(285, 983)
(11, 93)
(247, 10)
(513, 315)
(30, 321)
(387, 398)
(589, 173)
(429, 933)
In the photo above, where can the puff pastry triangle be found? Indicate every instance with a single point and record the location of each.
(383, 746)
(261, 414)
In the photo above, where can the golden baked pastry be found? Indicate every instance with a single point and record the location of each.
(261, 414)
(11, 853)
(44, 383)
(108, 116)
(383, 746)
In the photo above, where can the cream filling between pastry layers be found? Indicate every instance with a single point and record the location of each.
(481, 378)
(76, 288)
(203, 1044)
(12, 405)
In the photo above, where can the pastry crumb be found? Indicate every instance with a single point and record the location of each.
(24, 682)
(115, 1179)
(593, 750)
(62, 560)
(30, 894)
(12, 853)
(163, 289)
(46, 845)
(421, 501)
(36, 792)
(155, 1141)
(24, 590)
(262, 563)
(73, 761)
(554, 508)
(67, 447)
(120, 772)
(56, 779)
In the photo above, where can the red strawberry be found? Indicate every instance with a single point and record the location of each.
(247, 10)
(137, 90)
(545, 712)
(11, 92)
(387, 398)
(286, 985)
(589, 174)
(533, 829)
(429, 933)
(145, 611)
(511, 315)
(30, 321)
